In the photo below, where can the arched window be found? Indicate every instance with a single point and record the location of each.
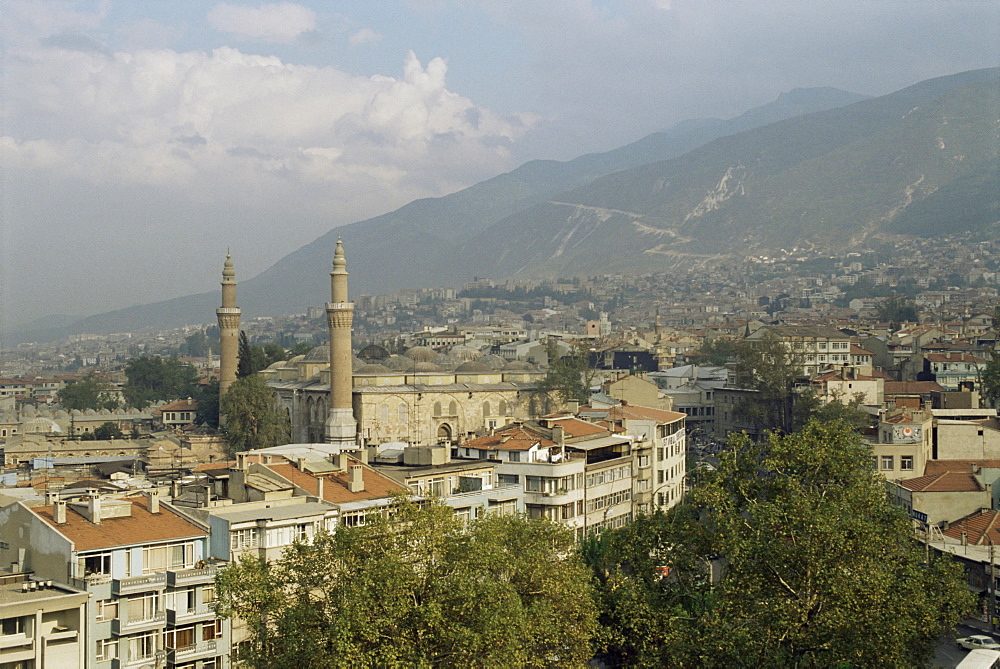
(503, 408)
(486, 409)
(404, 413)
(437, 408)
(453, 408)
(383, 414)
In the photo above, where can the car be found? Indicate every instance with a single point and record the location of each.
(978, 641)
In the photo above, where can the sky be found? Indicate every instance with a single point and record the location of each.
(141, 139)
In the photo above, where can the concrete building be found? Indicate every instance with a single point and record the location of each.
(904, 443)
(144, 567)
(42, 623)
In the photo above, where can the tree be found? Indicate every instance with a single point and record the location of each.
(896, 310)
(253, 417)
(769, 367)
(108, 430)
(788, 555)
(207, 412)
(568, 378)
(195, 345)
(418, 590)
(89, 392)
(717, 351)
(991, 379)
(809, 406)
(252, 358)
(152, 378)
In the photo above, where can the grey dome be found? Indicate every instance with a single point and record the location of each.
(519, 366)
(494, 362)
(426, 367)
(473, 367)
(464, 352)
(372, 368)
(318, 354)
(421, 354)
(398, 363)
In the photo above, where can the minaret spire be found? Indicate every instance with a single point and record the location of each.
(229, 327)
(341, 427)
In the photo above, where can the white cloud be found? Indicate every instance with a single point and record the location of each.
(282, 22)
(364, 36)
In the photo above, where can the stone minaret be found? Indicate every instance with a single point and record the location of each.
(341, 428)
(229, 328)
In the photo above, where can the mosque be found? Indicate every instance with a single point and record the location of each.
(419, 398)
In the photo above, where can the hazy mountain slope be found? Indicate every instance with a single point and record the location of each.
(418, 244)
(830, 178)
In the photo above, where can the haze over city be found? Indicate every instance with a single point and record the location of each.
(140, 140)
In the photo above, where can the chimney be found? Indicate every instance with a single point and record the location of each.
(319, 487)
(357, 481)
(95, 508)
(175, 489)
(59, 511)
(154, 501)
(558, 435)
(301, 464)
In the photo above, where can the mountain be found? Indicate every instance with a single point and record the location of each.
(404, 247)
(920, 161)
(803, 172)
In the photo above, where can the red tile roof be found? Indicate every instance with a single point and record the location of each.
(518, 438)
(910, 387)
(944, 482)
(335, 488)
(972, 465)
(981, 529)
(644, 413)
(142, 527)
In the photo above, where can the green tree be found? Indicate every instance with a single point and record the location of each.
(718, 351)
(990, 379)
(208, 405)
(253, 418)
(809, 406)
(417, 590)
(788, 555)
(252, 358)
(897, 310)
(195, 345)
(152, 378)
(89, 392)
(771, 368)
(108, 430)
(568, 378)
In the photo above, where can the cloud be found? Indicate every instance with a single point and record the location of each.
(279, 23)
(364, 36)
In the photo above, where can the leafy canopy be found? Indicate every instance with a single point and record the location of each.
(152, 378)
(788, 555)
(419, 590)
(89, 392)
(253, 418)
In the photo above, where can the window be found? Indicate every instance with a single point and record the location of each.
(143, 608)
(211, 630)
(245, 538)
(402, 414)
(161, 558)
(514, 456)
(96, 565)
(906, 462)
(107, 649)
(208, 594)
(887, 462)
(182, 637)
(507, 479)
(107, 609)
(141, 646)
(643, 460)
(13, 626)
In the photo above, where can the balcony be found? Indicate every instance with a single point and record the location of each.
(15, 641)
(155, 660)
(196, 651)
(137, 584)
(120, 627)
(61, 634)
(186, 577)
(184, 616)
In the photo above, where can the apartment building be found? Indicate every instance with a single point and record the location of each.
(41, 623)
(144, 567)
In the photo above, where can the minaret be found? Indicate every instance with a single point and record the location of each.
(341, 428)
(229, 328)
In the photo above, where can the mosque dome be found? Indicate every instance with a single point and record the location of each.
(448, 362)
(519, 366)
(464, 352)
(472, 367)
(421, 354)
(494, 362)
(40, 426)
(373, 353)
(398, 363)
(373, 368)
(426, 367)
(318, 354)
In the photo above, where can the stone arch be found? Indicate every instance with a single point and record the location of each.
(444, 433)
